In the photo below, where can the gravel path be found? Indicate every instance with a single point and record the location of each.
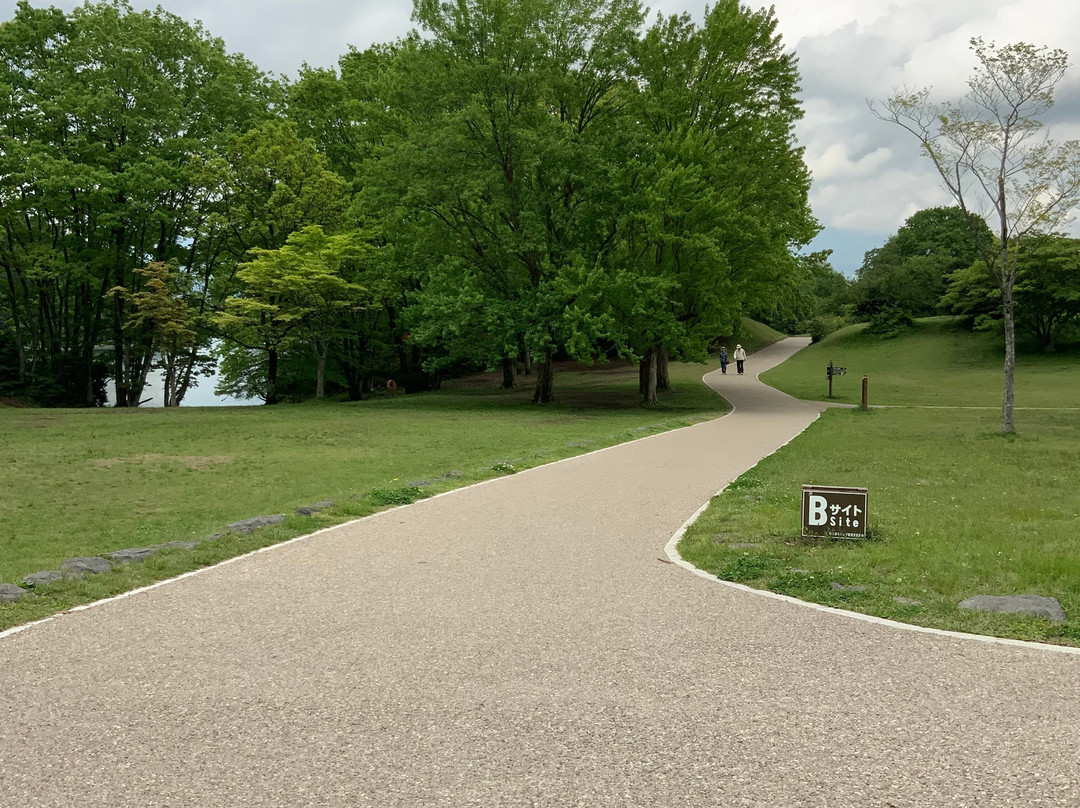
(525, 643)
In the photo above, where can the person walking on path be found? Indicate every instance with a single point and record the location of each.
(723, 360)
(740, 357)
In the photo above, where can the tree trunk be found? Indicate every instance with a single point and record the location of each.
(120, 399)
(545, 378)
(139, 368)
(354, 380)
(14, 308)
(187, 369)
(1044, 330)
(1007, 425)
(508, 380)
(88, 364)
(271, 376)
(320, 366)
(527, 354)
(650, 378)
(168, 382)
(663, 380)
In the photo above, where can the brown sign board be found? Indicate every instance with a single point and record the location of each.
(833, 511)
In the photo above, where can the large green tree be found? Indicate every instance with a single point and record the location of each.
(267, 184)
(162, 312)
(106, 116)
(1047, 289)
(501, 157)
(297, 292)
(814, 293)
(908, 274)
(719, 187)
(584, 191)
(351, 114)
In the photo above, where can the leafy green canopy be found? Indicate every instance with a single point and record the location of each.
(1047, 290)
(909, 272)
(579, 188)
(718, 186)
(107, 116)
(533, 178)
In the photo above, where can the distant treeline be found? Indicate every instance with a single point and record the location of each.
(932, 265)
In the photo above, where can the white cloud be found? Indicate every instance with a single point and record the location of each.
(837, 163)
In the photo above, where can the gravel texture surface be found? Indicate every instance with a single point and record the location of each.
(521, 643)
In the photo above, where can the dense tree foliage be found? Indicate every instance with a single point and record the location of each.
(107, 117)
(519, 180)
(815, 299)
(587, 192)
(1047, 291)
(906, 277)
(718, 188)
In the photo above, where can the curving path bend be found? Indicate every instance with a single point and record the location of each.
(521, 643)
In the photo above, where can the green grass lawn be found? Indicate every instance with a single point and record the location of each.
(955, 511)
(937, 363)
(86, 482)
(955, 508)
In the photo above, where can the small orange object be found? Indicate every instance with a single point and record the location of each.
(391, 385)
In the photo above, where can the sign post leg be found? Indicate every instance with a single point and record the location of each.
(864, 382)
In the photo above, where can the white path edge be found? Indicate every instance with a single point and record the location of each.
(672, 552)
(670, 549)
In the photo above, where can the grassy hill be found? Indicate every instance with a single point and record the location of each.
(937, 362)
(956, 508)
(753, 336)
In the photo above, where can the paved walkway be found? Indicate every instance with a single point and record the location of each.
(521, 643)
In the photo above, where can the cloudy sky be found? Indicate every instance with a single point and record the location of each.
(868, 175)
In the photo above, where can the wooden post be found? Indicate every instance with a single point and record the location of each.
(864, 383)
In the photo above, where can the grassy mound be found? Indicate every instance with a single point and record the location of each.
(935, 363)
(956, 509)
(753, 336)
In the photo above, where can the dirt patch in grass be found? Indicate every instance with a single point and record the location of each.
(195, 463)
(597, 401)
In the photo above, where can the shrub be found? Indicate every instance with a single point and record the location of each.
(821, 326)
(889, 322)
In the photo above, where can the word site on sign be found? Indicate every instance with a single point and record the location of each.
(822, 513)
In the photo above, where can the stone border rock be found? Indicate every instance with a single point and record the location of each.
(9, 593)
(77, 567)
(73, 568)
(1034, 605)
(246, 527)
(308, 510)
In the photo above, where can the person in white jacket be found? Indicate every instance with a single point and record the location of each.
(740, 357)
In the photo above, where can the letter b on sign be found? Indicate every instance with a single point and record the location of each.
(816, 510)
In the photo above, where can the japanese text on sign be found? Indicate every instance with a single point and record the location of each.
(834, 511)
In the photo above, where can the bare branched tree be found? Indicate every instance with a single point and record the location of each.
(997, 161)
